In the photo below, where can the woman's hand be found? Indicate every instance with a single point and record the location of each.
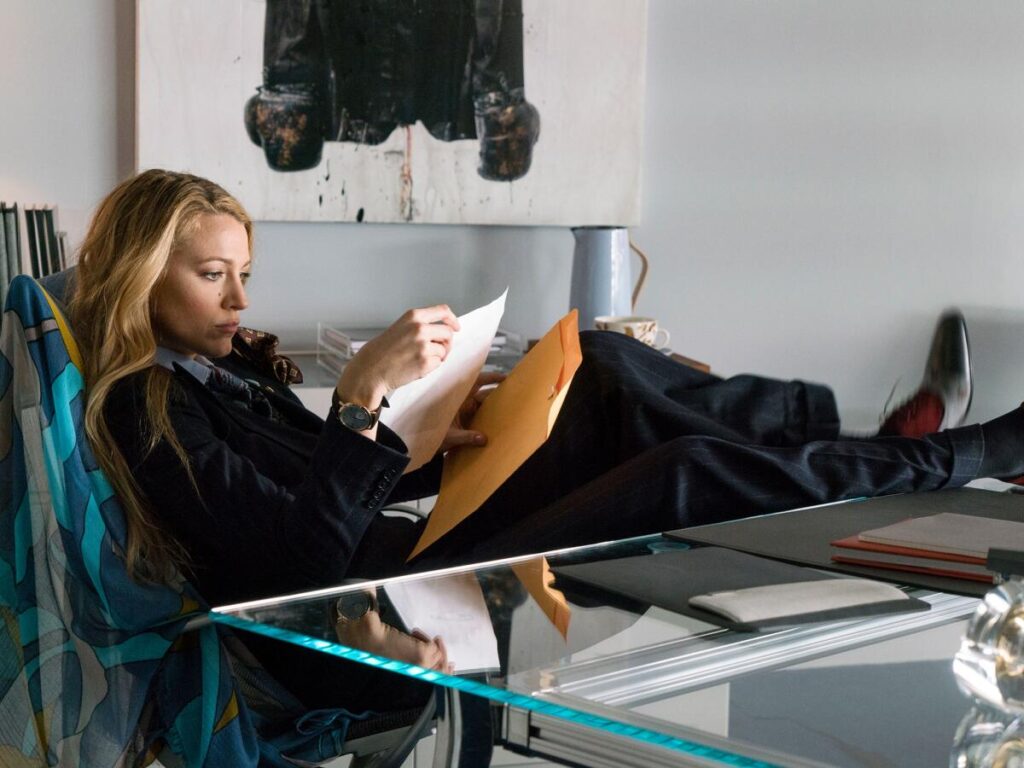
(370, 634)
(409, 349)
(459, 432)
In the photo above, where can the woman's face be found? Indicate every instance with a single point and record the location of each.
(196, 308)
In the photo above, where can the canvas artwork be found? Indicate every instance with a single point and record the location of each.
(429, 111)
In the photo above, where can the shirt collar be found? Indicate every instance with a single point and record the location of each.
(198, 366)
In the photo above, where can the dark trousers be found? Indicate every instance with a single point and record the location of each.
(643, 444)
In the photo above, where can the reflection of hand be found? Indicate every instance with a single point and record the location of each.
(459, 432)
(413, 346)
(370, 634)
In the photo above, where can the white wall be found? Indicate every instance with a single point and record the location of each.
(821, 179)
(66, 94)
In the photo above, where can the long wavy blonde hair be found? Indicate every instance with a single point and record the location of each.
(123, 260)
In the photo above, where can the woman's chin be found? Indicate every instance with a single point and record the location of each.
(221, 349)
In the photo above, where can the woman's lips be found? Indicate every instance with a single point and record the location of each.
(228, 328)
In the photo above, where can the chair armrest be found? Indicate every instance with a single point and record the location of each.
(405, 510)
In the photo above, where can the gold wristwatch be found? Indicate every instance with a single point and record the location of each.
(356, 417)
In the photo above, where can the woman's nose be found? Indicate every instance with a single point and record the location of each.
(236, 297)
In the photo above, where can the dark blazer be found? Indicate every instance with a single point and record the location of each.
(281, 505)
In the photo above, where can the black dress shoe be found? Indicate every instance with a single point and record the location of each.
(948, 370)
(944, 397)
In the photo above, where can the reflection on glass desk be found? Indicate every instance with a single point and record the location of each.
(636, 685)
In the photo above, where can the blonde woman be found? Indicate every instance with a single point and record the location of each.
(244, 501)
(254, 496)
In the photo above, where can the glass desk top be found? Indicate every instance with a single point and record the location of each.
(871, 691)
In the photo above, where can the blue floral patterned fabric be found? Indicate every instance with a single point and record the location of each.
(95, 669)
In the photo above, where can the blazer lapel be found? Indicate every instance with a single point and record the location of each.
(288, 436)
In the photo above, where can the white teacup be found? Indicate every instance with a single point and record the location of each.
(643, 329)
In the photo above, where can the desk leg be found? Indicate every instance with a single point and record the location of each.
(449, 726)
(465, 732)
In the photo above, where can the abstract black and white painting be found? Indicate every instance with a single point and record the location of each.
(435, 111)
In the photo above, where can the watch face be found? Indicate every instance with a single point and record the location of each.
(354, 416)
(354, 605)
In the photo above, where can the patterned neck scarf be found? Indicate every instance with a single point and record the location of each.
(259, 348)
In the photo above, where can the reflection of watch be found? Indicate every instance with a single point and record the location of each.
(355, 605)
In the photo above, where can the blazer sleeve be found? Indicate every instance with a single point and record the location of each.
(239, 522)
(425, 481)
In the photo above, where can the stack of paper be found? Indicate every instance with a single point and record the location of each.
(946, 544)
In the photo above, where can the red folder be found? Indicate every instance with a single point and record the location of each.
(852, 551)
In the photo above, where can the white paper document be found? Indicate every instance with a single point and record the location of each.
(453, 608)
(422, 411)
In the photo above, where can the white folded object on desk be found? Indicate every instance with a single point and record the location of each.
(778, 601)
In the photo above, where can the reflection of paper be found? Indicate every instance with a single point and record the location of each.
(421, 411)
(452, 607)
(538, 579)
(517, 418)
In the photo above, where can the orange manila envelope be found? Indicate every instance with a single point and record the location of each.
(517, 418)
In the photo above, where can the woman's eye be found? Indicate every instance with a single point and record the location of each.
(245, 277)
(213, 275)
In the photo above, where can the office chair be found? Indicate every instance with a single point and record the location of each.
(97, 669)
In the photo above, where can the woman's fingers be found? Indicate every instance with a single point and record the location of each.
(432, 655)
(482, 393)
(490, 377)
(437, 338)
(413, 346)
(432, 329)
(457, 437)
(439, 313)
(370, 634)
(434, 325)
(486, 383)
(443, 664)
